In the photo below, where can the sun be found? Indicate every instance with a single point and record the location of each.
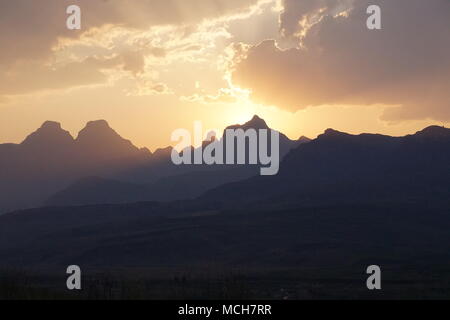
(242, 110)
(242, 117)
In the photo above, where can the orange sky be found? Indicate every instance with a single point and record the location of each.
(151, 70)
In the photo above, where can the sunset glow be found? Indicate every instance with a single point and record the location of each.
(153, 68)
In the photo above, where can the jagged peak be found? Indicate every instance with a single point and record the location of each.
(257, 123)
(254, 123)
(256, 118)
(49, 132)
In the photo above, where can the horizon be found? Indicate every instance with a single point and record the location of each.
(74, 135)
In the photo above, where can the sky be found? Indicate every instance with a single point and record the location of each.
(149, 67)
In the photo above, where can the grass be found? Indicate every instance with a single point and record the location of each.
(278, 285)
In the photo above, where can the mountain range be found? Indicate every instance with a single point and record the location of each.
(50, 167)
(339, 203)
(341, 168)
(50, 158)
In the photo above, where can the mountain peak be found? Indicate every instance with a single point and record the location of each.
(255, 123)
(433, 132)
(98, 123)
(49, 133)
(51, 125)
(99, 139)
(331, 133)
(256, 118)
(97, 128)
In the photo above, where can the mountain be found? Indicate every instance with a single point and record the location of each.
(339, 167)
(99, 142)
(254, 123)
(49, 135)
(257, 123)
(51, 167)
(339, 203)
(164, 181)
(96, 190)
(50, 159)
(432, 132)
(188, 236)
(31, 170)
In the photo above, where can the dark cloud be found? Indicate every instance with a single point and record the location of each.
(340, 61)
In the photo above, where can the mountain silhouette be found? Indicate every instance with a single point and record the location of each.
(50, 159)
(432, 132)
(161, 180)
(340, 167)
(96, 190)
(254, 123)
(52, 167)
(340, 200)
(100, 141)
(49, 135)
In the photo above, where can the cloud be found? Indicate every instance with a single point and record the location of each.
(31, 76)
(339, 61)
(38, 49)
(31, 28)
(298, 16)
(224, 95)
(149, 88)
